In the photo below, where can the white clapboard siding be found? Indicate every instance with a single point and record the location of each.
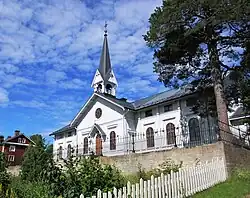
(186, 182)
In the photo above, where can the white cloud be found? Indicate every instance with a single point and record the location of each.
(4, 96)
(51, 49)
(30, 104)
(9, 68)
(53, 76)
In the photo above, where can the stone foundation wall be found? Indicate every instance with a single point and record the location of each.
(236, 157)
(150, 160)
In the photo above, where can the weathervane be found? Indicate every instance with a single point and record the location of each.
(105, 28)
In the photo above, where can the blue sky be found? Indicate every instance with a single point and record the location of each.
(50, 50)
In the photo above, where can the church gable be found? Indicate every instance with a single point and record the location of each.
(100, 111)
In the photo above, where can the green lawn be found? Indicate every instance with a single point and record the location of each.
(235, 187)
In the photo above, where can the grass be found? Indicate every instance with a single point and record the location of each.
(238, 186)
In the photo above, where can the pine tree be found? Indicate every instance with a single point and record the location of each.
(198, 42)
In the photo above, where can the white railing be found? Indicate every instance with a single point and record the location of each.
(186, 182)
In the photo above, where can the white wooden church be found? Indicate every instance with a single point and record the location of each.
(108, 126)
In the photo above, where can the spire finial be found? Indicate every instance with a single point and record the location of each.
(105, 28)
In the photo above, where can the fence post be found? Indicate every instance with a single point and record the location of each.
(137, 190)
(128, 189)
(162, 185)
(149, 189)
(115, 192)
(152, 187)
(133, 191)
(99, 194)
(141, 187)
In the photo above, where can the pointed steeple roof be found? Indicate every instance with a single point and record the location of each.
(105, 63)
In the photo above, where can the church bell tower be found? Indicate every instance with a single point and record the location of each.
(104, 80)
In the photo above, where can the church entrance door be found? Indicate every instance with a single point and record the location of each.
(98, 147)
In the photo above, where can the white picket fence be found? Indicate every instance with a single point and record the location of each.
(184, 183)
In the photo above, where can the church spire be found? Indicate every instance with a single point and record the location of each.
(104, 80)
(105, 63)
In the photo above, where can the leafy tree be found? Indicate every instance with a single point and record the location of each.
(35, 160)
(198, 42)
(4, 176)
(240, 86)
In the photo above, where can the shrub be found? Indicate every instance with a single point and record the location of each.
(165, 168)
(242, 174)
(26, 189)
(89, 175)
(4, 176)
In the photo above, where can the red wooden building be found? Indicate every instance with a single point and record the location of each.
(14, 147)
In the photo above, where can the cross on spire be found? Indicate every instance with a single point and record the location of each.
(105, 28)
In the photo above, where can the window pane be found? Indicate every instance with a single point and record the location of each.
(148, 113)
(194, 129)
(85, 145)
(170, 129)
(112, 140)
(168, 108)
(150, 137)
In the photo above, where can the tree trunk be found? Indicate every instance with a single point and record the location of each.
(216, 73)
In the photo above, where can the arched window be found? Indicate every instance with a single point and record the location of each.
(150, 137)
(85, 145)
(170, 129)
(99, 88)
(108, 88)
(69, 151)
(112, 140)
(194, 130)
(60, 152)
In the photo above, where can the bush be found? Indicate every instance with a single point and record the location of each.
(81, 176)
(26, 189)
(242, 174)
(4, 176)
(165, 168)
(89, 175)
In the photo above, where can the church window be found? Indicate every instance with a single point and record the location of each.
(60, 152)
(150, 137)
(69, 151)
(170, 130)
(112, 140)
(194, 130)
(85, 145)
(109, 89)
(148, 113)
(98, 113)
(99, 88)
(168, 108)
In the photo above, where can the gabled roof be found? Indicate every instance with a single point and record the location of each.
(98, 128)
(66, 128)
(8, 140)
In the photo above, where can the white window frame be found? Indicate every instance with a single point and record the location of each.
(12, 148)
(19, 140)
(11, 158)
(23, 140)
